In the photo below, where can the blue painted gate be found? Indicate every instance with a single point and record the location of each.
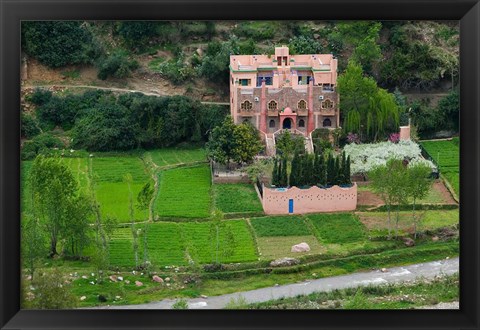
(290, 206)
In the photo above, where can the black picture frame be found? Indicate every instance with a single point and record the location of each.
(13, 12)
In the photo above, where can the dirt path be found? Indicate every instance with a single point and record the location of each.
(113, 89)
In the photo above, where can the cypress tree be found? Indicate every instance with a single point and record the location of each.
(341, 171)
(330, 170)
(337, 172)
(347, 171)
(284, 174)
(275, 172)
(294, 170)
(310, 176)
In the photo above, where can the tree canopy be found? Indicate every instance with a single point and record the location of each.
(366, 109)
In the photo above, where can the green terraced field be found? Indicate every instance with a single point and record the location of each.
(184, 193)
(280, 226)
(338, 228)
(121, 248)
(202, 242)
(165, 244)
(232, 198)
(172, 156)
(168, 243)
(447, 154)
(114, 201)
(113, 169)
(280, 246)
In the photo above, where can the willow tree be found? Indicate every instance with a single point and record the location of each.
(367, 109)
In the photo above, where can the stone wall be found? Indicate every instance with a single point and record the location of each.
(312, 200)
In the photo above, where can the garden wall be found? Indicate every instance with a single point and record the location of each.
(298, 201)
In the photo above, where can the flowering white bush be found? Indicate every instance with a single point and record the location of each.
(365, 157)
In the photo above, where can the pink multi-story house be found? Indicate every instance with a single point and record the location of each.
(284, 91)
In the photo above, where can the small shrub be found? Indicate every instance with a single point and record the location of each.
(30, 126)
(40, 144)
(40, 97)
(116, 65)
(180, 304)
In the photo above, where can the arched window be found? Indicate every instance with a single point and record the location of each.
(271, 124)
(272, 106)
(302, 105)
(327, 122)
(247, 105)
(327, 104)
(301, 123)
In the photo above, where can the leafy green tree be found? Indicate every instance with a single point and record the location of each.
(59, 43)
(77, 232)
(367, 109)
(363, 36)
(389, 181)
(144, 201)
(304, 45)
(449, 107)
(55, 197)
(225, 248)
(419, 185)
(221, 145)
(258, 169)
(136, 34)
(33, 243)
(287, 144)
(106, 127)
(247, 143)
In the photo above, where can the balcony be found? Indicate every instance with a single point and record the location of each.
(272, 113)
(327, 112)
(245, 113)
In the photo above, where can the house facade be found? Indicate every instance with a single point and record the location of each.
(283, 91)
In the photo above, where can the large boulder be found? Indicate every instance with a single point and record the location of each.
(283, 262)
(302, 247)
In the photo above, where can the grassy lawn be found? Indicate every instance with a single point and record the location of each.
(201, 242)
(172, 156)
(280, 246)
(447, 154)
(280, 226)
(377, 222)
(184, 193)
(338, 227)
(231, 198)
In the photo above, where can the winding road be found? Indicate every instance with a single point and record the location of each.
(426, 270)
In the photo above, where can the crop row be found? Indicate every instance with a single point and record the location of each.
(184, 192)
